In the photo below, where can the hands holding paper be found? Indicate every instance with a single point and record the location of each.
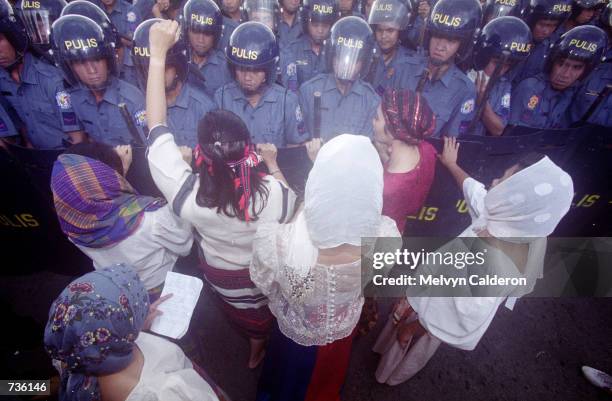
(154, 312)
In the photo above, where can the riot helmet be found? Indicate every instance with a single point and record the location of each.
(557, 10)
(38, 16)
(456, 20)
(253, 45)
(201, 16)
(90, 10)
(318, 12)
(14, 31)
(579, 6)
(350, 49)
(79, 45)
(175, 57)
(586, 43)
(506, 38)
(501, 8)
(265, 11)
(395, 13)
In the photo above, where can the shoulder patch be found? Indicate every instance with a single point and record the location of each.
(63, 100)
(467, 107)
(505, 101)
(533, 102)
(141, 118)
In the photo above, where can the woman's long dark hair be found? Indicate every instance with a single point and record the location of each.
(98, 151)
(223, 136)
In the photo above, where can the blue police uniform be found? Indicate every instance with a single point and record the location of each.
(215, 71)
(340, 114)
(384, 75)
(41, 102)
(288, 34)
(119, 17)
(277, 118)
(451, 97)
(299, 63)
(588, 93)
(104, 122)
(228, 28)
(534, 64)
(190, 107)
(536, 104)
(500, 99)
(6, 125)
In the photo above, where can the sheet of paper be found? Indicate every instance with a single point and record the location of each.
(178, 309)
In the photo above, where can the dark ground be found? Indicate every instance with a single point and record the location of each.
(532, 353)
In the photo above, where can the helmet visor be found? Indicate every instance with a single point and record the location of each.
(391, 13)
(38, 25)
(347, 61)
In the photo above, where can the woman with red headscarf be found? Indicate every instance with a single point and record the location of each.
(403, 121)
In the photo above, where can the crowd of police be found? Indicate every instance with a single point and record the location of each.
(293, 70)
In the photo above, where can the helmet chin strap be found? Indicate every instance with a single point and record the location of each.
(18, 60)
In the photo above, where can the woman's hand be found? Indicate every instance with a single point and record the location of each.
(268, 153)
(154, 312)
(450, 152)
(125, 154)
(312, 148)
(401, 310)
(162, 36)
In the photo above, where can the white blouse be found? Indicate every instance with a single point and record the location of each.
(319, 309)
(167, 374)
(226, 241)
(152, 249)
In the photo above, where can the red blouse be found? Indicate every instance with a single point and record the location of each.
(404, 193)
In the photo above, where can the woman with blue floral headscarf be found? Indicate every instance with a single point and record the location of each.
(94, 336)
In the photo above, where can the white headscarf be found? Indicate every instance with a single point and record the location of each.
(343, 201)
(529, 203)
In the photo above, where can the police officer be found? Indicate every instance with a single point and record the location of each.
(109, 110)
(349, 8)
(290, 28)
(232, 17)
(33, 87)
(414, 36)
(543, 101)
(38, 16)
(304, 59)
(543, 17)
(449, 92)
(348, 103)
(388, 18)
(265, 11)
(271, 113)
(583, 12)
(202, 28)
(502, 43)
(501, 8)
(594, 88)
(186, 103)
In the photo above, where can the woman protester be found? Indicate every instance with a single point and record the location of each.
(225, 197)
(109, 221)
(401, 124)
(96, 339)
(513, 219)
(311, 271)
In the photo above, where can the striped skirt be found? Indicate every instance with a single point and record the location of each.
(294, 372)
(241, 301)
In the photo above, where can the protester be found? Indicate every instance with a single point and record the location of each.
(105, 217)
(515, 216)
(96, 336)
(311, 272)
(225, 198)
(402, 123)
